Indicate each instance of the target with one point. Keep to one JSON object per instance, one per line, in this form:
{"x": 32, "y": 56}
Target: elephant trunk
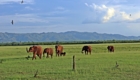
{"x": 44, "y": 52}
{"x": 27, "y": 50}
{"x": 82, "y": 51}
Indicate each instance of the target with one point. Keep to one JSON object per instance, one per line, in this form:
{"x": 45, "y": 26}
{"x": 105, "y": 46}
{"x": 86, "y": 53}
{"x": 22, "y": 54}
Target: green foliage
{"x": 100, "y": 65}
{"x": 67, "y": 42}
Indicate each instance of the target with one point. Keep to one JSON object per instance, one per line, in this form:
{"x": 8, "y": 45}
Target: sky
{"x": 101, "y": 16}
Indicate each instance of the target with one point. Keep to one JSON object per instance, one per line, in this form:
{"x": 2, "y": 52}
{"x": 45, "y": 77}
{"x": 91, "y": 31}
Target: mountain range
{"x": 62, "y": 36}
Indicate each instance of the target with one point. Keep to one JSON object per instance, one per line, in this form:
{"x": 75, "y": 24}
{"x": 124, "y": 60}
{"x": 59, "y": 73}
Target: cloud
{"x": 96, "y": 7}
{"x": 28, "y": 8}
{"x": 106, "y": 14}
{"x": 125, "y": 16}
{"x": 109, "y": 15}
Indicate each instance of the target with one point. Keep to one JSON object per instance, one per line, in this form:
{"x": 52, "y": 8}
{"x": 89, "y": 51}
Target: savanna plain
{"x": 123, "y": 64}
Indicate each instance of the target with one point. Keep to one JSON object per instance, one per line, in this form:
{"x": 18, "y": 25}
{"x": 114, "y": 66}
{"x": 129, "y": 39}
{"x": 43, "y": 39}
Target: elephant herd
{"x": 38, "y": 50}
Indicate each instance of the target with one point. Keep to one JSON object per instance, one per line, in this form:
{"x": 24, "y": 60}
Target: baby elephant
{"x": 63, "y": 54}
{"x": 49, "y": 51}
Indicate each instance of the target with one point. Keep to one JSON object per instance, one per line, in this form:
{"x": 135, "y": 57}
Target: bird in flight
{"x": 22, "y": 1}
{"x": 12, "y": 22}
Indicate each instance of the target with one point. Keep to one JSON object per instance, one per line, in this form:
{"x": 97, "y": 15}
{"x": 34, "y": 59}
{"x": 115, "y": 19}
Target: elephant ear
{"x": 36, "y": 49}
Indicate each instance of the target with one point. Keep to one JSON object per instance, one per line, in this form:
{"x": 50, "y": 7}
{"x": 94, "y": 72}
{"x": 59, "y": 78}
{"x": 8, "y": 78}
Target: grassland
{"x": 100, "y": 65}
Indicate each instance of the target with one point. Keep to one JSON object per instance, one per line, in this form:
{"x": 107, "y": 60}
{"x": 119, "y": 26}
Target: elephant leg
{"x": 56, "y": 54}
{"x": 43, "y": 54}
{"x": 51, "y": 55}
{"x": 47, "y": 55}
{"x": 40, "y": 56}
{"x": 85, "y": 52}
{"x": 34, "y": 56}
{"x": 61, "y": 54}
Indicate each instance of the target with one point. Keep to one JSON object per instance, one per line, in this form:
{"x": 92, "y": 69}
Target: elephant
{"x": 87, "y": 49}
{"x": 63, "y": 54}
{"x": 58, "y": 50}
{"x": 49, "y": 51}
{"x": 37, "y": 50}
{"x": 110, "y": 48}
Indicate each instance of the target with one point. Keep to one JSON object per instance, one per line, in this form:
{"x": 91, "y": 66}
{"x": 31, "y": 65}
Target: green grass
{"x": 100, "y": 65}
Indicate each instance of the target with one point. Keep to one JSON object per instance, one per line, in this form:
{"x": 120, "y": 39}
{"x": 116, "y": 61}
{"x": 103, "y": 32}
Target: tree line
{"x": 68, "y": 42}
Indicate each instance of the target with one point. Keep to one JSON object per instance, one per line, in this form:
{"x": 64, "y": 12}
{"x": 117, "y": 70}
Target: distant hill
{"x": 63, "y": 36}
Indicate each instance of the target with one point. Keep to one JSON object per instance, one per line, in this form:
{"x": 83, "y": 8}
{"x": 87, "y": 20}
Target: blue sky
{"x": 101, "y": 16}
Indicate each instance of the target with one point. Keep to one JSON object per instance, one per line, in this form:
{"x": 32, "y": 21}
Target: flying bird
{"x": 22, "y": 1}
{"x": 12, "y": 22}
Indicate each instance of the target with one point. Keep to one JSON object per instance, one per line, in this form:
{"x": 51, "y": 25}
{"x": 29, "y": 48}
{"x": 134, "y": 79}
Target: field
{"x": 100, "y": 65}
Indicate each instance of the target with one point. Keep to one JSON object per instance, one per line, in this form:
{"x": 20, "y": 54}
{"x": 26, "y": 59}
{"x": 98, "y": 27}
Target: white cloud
{"x": 112, "y": 14}
{"x": 102, "y": 7}
{"x": 109, "y": 15}
{"x": 125, "y": 16}
{"x": 109, "y": 11}
{"x": 135, "y": 16}
{"x": 96, "y": 7}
